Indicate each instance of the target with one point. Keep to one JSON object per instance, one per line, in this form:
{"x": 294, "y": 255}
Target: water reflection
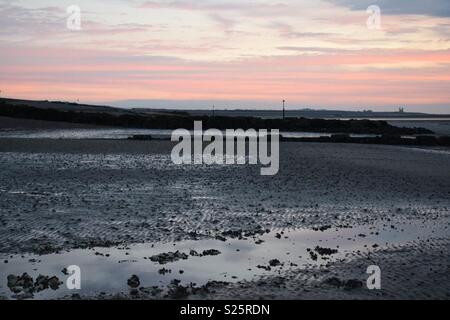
{"x": 107, "y": 269}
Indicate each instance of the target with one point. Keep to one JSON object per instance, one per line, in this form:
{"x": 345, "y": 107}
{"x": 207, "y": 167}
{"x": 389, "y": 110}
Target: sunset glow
{"x": 233, "y": 54}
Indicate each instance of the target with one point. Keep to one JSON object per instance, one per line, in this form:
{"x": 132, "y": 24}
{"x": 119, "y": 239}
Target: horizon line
{"x": 209, "y": 107}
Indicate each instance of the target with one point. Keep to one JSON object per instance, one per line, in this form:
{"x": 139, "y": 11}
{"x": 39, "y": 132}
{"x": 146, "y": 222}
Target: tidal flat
{"x": 115, "y": 207}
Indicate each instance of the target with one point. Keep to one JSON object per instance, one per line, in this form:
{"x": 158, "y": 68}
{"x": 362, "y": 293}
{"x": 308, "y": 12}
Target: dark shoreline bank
{"x": 177, "y": 120}
{"x": 429, "y": 141}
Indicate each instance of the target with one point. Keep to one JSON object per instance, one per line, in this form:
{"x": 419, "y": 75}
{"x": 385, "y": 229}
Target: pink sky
{"x": 314, "y": 54}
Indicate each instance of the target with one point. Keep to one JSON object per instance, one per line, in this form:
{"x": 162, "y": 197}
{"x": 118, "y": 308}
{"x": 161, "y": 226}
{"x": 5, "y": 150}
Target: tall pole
{"x": 284, "y": 110}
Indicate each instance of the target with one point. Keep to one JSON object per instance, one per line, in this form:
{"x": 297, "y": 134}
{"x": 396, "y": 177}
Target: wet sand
{"x": 59, "y": 196}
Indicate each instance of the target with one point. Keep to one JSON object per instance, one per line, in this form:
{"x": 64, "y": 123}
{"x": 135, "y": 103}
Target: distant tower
{"x": 284, "y": 110}
{"x": 214, "y": 111}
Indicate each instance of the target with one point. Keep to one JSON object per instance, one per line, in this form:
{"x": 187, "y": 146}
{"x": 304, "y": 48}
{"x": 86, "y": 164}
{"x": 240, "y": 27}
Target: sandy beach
{"x": 100, "y": 202}
{"x": 225, "y": 159}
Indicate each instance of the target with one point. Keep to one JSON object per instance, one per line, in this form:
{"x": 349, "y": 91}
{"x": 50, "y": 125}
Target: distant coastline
{"x": 164, "y": 119}
{"x": 310, "y": 113}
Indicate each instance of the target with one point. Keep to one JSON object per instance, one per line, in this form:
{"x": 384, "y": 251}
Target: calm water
{"x": 237, "y": 261}
{"x": 123, "y": 134}
{"x": 439, "y": 126}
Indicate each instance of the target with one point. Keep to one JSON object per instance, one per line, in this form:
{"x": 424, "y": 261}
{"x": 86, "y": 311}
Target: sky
{"x": 327, "y": 54}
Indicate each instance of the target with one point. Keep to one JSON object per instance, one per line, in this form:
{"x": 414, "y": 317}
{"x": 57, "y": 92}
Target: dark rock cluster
{"x": 348, "y": 285}
{"x": 24, "y": 286}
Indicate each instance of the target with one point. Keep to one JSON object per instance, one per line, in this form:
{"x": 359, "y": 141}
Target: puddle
{"x": 431, "y": 150}
{"x": 237, "y": 261}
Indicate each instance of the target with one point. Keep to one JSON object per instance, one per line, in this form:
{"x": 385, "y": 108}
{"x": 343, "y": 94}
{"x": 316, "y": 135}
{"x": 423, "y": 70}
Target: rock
{"x": 211, "y": 252}
{"x": 12, "y": 280}
{"x": 220, "y": 238}
{"x": 25, "y": 284}
{"x": 141, "y": 137}
{"x": 54, "y": 283}
{"x": 274, "y": 263}
{"x": 16, "y": 289}
{"x": 44, "y": 248}
{"x": 353, "y": 284}
{"x": 232, "y": 233}
{"x": 134, "y": 292}
{"x": 194, "y": 253}
{"x": 193, "y": 235}
{"x": 267, "y": 268}
{"x": 325, "y": 251}
{"x": 41, "y": 283}
{"x": 164, "y": 258}
{"x": 163, "y": 271}
{"x": 155, "y": 290}
{"x": 334, "y": 282}
{"x": 134, "y": 282}
{"x": 312, "y": 255}
{"x": 178, "y": 292}
{"x": 322, "y": 228}
{"x": 25, "y": 281}
{"x": 76, "y": 296}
